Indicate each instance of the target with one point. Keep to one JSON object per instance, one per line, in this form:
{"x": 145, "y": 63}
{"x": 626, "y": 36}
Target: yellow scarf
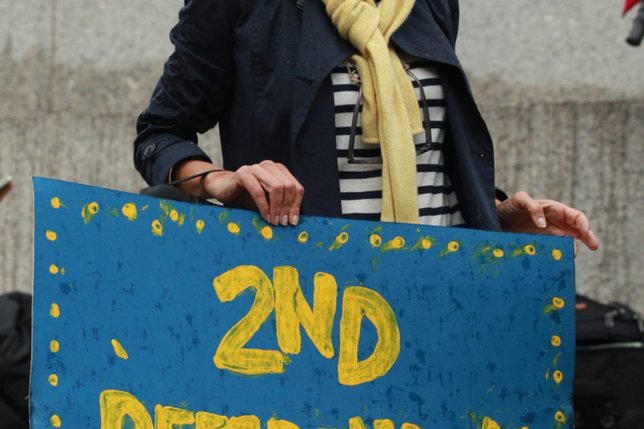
{"x": 390, "y": 114}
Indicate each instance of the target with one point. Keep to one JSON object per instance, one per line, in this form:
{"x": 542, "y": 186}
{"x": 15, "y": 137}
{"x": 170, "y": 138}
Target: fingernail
{"x": 284, "y": 220}
{"x": 295, "y": 220}
{"x": 541, "y": 221}
{"x": 276, "y": 221}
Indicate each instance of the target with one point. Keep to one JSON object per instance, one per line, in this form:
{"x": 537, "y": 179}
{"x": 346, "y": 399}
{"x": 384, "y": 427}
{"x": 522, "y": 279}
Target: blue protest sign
{"x": 158, "y": 314}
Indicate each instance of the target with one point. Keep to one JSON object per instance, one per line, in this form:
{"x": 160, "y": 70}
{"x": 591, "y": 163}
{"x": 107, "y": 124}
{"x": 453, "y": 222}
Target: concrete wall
{"x": 562, "y": 93}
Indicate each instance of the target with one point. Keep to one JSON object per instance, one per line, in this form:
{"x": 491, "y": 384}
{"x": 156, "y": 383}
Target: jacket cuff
{"x": 155, "y": 157}
{"x": 500, "y": 194}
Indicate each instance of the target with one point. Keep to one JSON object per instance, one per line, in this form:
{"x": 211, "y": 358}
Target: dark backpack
{"x": 15, "y": 355}
{"x": 609, "y": 373}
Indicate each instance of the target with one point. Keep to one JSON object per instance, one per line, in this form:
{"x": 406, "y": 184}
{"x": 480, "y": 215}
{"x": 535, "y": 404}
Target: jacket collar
{"x": 425, "y": 33}
{"x": 321, "y": 49}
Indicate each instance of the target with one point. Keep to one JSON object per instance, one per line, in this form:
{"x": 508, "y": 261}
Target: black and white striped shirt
{"x": 361, "y": 184}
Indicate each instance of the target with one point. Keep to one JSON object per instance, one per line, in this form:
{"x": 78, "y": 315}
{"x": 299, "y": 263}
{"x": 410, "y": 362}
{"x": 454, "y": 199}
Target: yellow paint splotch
{"x": 423, "y": 243}
{"x": 233, "y": 228}
{"x": 54, "y": 310}
{"x": 53, "y": 380}
{"x": 54, "y": 346}
{"x": 557, "y": 376}
{"x": 488, "y": 423}
{"x": 555, "y": 304}
{"x": 498, "y": 253}
{"x": 266, "y": 232}
{"x": 174, "y": 215}
{"x": 558, "y": 302}
{"x": 55, "y": 421}
{"x": 262, "y": 229}
{"x": 340, "y": 240}
{"x": 375, "y": 240}
{"x": 529, "y": 249}
{"x": 89, "y": 211}
{"x": 451, "y": 247}
{"x": 555, "y": 340}
{"x": 55, "y": 202}
{"x": 395, "y": 243}
{"x": 560, "y": 417}
{"x": 51, "y": 235}
{"x": 199, "y": 226}
{"x": 130, "y": 211}
{"x": 157, "y": 228}
{"x": 556, "y": 254}
{"x": 53, "y": 269}
{"x": 303, "y": 237}
{"x": 119, "y": 350}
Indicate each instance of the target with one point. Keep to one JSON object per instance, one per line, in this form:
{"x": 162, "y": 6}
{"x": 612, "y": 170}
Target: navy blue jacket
{"x": 260, "y": 68}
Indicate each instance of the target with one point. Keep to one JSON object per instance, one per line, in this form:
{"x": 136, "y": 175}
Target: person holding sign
{"x": 335, "y": 108}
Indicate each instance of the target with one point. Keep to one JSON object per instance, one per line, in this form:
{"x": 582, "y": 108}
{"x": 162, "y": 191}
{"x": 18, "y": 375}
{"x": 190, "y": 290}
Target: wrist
{"x": 190, "y": 176}
{"x": 212, "y": 181}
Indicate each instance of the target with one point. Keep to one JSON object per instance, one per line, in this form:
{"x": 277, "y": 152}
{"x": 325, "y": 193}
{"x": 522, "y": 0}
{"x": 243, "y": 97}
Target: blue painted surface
{"x": 475, "y": 328}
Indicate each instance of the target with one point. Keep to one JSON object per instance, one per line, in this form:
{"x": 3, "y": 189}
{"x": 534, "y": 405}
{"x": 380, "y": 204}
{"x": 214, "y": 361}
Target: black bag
{"x": 609, "y": 360}
{"x": 15, "y": 355}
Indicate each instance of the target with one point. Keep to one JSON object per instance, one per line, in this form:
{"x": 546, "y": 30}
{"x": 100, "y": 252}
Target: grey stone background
{"x": 562, "y": 93}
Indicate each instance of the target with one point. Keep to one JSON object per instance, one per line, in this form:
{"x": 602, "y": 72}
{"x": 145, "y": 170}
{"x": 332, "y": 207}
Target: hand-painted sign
{"x": 152, "y": 314}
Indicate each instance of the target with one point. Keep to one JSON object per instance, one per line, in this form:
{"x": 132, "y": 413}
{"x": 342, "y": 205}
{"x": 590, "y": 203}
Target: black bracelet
{"x": 194, "y": 176}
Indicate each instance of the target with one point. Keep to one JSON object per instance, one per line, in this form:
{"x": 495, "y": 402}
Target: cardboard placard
{"x": 157, "y": 314}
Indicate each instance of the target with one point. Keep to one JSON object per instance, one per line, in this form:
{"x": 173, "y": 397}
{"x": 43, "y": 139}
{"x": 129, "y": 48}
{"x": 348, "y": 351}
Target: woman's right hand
{"x": 267, "y": 187}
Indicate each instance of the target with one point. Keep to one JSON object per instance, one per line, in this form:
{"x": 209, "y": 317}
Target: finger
{"x": 579, "y": 221}
{"x": 576, "y": 219}
{"x": 288, "y": 183}
{"x": 591, "y": 241}
{"x": 532, "y": 206}
{"x": 564, "y": 220}
{"x": 256, "y": 191}
{"x": 573, "y": 220}
{"x": 275, "y": 189}
{"x": 294, "y": 213}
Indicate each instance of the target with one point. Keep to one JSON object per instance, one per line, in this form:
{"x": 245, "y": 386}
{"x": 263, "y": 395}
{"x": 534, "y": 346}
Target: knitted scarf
{"x": 390, "y": 114}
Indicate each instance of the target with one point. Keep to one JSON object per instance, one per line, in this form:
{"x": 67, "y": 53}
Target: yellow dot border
{"x": 375, "y": 238}
{"x": 55, "y": 421}
{"x": 54, "y": 309}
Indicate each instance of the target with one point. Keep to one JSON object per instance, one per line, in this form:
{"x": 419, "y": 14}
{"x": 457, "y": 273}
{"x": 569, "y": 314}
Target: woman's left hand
{"x": 522, "y": 213}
